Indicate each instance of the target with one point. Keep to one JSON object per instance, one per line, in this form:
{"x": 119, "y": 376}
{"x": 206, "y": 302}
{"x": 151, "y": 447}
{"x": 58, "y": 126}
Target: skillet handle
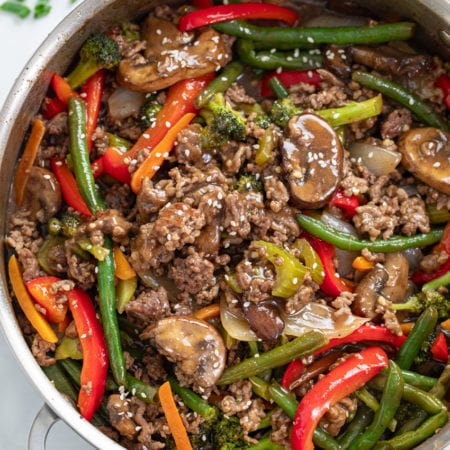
{"x": 40, "y": 428}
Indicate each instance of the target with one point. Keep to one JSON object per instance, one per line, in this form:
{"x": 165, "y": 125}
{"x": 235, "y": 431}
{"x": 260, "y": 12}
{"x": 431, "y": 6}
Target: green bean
{"x": 58, "y": 377}
{"x": 390, "y": 401}
{"x": 221, "y": 83}
{"x": 435, "y": 284}
{"x": 347, "y": 241}
{"x": 359, "y": 423}
{"x": 107, "y": 295}
{"x": 418, "y": 380}
{"x": 193, "y": 401}
{"x": 278, "y": 88}
{"x": 422, "y": 328}
{"x": 412, "y": 438}
{"x": 279, "y": 356}
{"x": 271, "y": 60}
{"x": 139, "y": 388}
{"x": 80, "y": 155}
{"x": 295, "y": 37}
{"x": 289, "y": 404}
{"x": 412, "y": 394}
{"x": 443, "y": 383}
{"x": 419, "y": 107}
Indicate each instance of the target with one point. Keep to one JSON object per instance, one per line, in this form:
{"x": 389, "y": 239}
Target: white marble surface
{"x": 20, "y": 402}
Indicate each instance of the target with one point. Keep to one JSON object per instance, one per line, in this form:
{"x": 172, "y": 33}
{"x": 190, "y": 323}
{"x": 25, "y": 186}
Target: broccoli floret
{"x": 248, "y": 183}
{"x": 262, "y": 121}
{"x": 66, "y": 225}
{"x": 98, "y": 52}
{"x": 149, "y": 111}
{"x": 424, "y": 354}
{"x": 420, "y": 301}
{"x": 223, "y": 123}
{"x": 228, "y": 434}
{"x": 282, "y": 110}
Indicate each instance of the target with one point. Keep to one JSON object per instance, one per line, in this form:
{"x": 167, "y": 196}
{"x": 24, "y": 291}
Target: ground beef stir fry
{"x": 234, "y": 234}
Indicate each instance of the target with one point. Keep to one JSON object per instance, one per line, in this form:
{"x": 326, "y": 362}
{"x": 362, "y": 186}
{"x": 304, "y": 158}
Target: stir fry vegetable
{"x": 230, "y": 231}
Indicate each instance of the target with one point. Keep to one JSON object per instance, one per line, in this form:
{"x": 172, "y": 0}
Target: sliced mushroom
{"x": 172, "y": 56}
{"x": 42, "y": 194}
{"x": 312, "y": 160}
{"x": 396, "y": 285}
{"x": 264, "y": 319}
{"x": 389, "y": 280}
{"x": 426, "y": 154}
{"x": 387, "y": 59}
{"x": 194, "y": 345}
{"x": 368, "y": 291}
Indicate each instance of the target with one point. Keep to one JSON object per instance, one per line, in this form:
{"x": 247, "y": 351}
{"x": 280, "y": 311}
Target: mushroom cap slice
{"x": 426, "y": 154}
{"x": 43, "y": 197}
{"x": 194, "y": 345}
{"x": 171, "y": 56}
{"x": 312, "y": 160}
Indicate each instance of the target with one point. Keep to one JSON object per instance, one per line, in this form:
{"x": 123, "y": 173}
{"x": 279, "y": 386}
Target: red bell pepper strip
{"x": 95, "y": 356}
{"x": 40, "y": 289}
{"x": 98, "y": 167}
{"x": 443, "y": 82}
{"x": 332, "y": 285}
{"x": 369, "y": 333}
{"x": 92, "y": 92}
{"x": 345, "y": 378}
{"x": 180, "y": 101}
{"x": 62, "y": 88}
{"x": 288, "y": 78}
{"x": 443, "y": 246}
{"x": 439, "y": 348}
{"x": 69, "y": 188}
{"x": 223, "y": 13}
{"x": 51, "y": 106}
{"x": 347, "y": 203}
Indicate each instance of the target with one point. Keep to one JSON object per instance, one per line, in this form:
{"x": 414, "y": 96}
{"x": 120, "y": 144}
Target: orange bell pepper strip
{"x": 123, "y": 271}
{"x": 173, "y": 417}
{"x": 362, "y": 264}
{"x": 40, "y": 289}
{"x": 207, "y": 312}
{"x": 180, "y": 101}
{"x": 153, "y": 162}
{"x": 69, "y": 187}
{"x": 37, "y": 320}
{"x": 62, "y": 88}
{"x": 27, "y": 160}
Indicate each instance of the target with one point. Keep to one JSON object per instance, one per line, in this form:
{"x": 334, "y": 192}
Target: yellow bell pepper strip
{"x": 95, "y": 355}
{"x": 345, "y": 378}
{"x": 41, "y": 290}
{"x": 36, "y": 319}
{"x": 27, "y": 160}
{"x": 250, "y": 10}
{"x": 123, "y": 271}
{"x": 125, "y": 290}
{"x": 69, "y": 348}
{"x": 290, "y": 271}
{"x": 173, "y": 417}
{"x": 153, "y": 162}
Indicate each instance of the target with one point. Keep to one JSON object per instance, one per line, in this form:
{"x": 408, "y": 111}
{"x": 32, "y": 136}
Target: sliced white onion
{"x": 235, "y": 325}
{"x": 315, "y": 316}
{"x": 337, "y": 223}
{"x": 124, "y": 103}
{"x": 379, "y": 160}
